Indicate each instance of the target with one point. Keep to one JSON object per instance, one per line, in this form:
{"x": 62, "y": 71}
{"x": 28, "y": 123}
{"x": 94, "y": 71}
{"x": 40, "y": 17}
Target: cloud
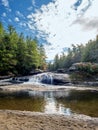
{"x": 33, "y": 5}
{"x": 23, "y": 24}
{"x": 19, "y": 14}
{"x": 30, "y": 8}
{"x": 30, "y": 25}
{"x": 77, "y": 4}
{"x": 53, "y": 21}
{"x": 16, "y": 19}
{"x": 5, "y": 3}
{"x": 4, "y": 14}
{"x": 33, "y": 2}
{"x": 81, "y": 6}
{"x": 87, "y": 23}
{"x": 30, "y": 16}
{"x": 9, "y": 20}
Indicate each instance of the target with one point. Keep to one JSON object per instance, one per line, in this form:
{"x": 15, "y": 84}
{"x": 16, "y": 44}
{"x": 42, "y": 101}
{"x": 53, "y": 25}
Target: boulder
{"x": 61, "y": 79}
{"x": 37, "y": 71}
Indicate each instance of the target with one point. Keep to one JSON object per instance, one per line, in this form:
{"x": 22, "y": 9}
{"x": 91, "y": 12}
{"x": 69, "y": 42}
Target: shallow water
{"x": 61, "y": 102}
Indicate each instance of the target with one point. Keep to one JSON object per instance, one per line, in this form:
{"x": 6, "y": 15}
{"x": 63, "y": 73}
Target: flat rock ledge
{"x": 25, "y": 120}
{"x": 30, "y": 87}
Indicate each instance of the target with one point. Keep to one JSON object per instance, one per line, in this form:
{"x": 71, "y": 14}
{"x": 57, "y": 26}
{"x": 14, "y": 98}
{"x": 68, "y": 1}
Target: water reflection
{"x": 52, "y": 106}
{"x": 60, "y": 102}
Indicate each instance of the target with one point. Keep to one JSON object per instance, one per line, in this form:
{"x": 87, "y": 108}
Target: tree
{"x": 56, "y": 62}
{"x": 78, "y": 53}
{"x": 90, "y": 53}
{"x": 1, "y": 30}
{"x": 19, "y": 55}
{"x": 42, "y": 57}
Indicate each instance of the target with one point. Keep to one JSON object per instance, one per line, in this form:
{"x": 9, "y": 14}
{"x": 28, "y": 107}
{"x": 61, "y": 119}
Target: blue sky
{"x": 57, "y": 24}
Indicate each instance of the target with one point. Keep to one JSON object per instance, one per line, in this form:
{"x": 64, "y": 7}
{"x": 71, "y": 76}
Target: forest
{"x": 18, "y": 54}
{"x": 85, "y": 54}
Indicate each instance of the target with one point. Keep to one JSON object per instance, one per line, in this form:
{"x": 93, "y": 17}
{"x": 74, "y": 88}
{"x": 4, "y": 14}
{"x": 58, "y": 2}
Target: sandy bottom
{"x": 17, "y": 120}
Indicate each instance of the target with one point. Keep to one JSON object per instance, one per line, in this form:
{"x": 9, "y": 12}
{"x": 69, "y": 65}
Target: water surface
{"x": 61, "y": 102}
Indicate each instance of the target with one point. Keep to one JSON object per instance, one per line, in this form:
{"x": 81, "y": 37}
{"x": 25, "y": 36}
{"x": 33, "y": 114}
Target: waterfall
{"x": 35, "y": 79}
{"x": 46, "y": 78}
{"x": 50, "y": 78}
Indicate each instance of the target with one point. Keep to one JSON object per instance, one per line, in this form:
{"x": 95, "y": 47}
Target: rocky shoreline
{"x": 54, "y": 78}
{"x": 24, "y": 89}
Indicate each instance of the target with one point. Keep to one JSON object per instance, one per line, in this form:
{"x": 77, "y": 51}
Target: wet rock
{"x": 59, "y": 82}
{"x": 55, "y": 78}
{"x": 37, "y": 71}
{"x": 61, "y": 79}
{"x": 19, "y": 79}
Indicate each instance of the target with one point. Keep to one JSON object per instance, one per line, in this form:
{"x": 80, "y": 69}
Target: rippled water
{"x": 61, "y": 102}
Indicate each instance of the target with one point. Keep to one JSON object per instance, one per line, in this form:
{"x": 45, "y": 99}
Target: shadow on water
{"x": 61, "y": 102}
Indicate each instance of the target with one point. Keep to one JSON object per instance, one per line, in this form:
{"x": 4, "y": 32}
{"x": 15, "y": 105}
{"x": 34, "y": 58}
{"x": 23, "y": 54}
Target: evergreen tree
{"x": 76, "y": 54}
{"x": 19, "y": 55}
{"x": 42, "y": 57}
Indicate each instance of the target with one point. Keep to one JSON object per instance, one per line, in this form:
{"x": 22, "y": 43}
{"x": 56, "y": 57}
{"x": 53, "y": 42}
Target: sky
{"x": 57, "y": 24}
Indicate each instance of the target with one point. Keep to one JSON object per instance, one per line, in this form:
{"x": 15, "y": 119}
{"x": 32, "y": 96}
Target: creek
{"x": 61, "y": 101}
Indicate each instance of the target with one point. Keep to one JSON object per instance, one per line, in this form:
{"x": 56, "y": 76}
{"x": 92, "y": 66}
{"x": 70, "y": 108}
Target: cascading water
{"x": 46, "y": 78}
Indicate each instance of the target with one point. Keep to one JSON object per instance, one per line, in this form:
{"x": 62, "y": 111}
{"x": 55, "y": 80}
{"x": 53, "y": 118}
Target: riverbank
{"x": 22, "y": 120}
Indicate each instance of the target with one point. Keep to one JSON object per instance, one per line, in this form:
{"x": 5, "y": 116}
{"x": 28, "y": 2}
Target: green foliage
{"x": 18, "y": 55}
{"x": 56, "y": 62}
{"x": 77, "y": 54}
{"x": 90, "y": 53}
{"x": 90, "y": 68}
{"x": 42, "y": 57}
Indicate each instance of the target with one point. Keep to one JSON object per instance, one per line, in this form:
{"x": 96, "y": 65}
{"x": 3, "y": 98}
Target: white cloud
{"x": 16, "y": 19}
{"x": 5, "y": 3}
{"x": 9, "y": 9}
{"x": 23, "y": 24}
{"x": 30, "y": 8}
{"x": 30, "y": 16}
{"x": 56, "y": 21}
{"x": 19, "y": 14}
{"x": 31, "y": 26}
{"x": 33, "y": 2}
{"x": 4, "y": 14}
{"x": 9, "y": 20}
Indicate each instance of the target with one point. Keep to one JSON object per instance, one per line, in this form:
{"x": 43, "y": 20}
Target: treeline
{"x": 77, "y": 53}
{"x": 19, "y": 55}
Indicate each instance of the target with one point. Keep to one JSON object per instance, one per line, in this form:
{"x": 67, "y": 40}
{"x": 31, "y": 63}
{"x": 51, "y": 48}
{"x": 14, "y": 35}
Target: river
{"x": 61, "y": 101}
